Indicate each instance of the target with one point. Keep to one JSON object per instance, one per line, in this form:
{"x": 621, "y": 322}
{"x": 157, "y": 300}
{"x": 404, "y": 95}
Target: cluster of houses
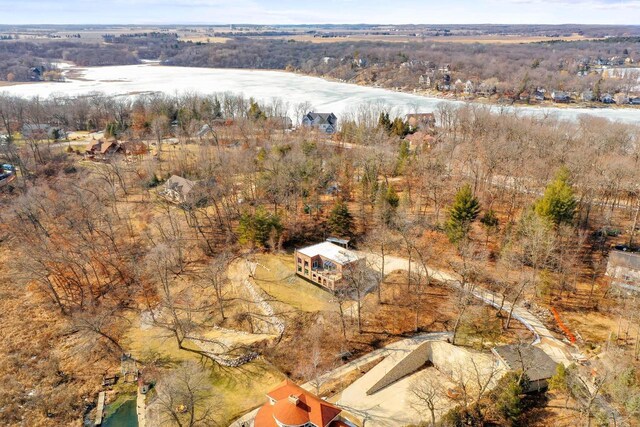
{"x": 589, "y": 96}
{"x": 444, "y": 84}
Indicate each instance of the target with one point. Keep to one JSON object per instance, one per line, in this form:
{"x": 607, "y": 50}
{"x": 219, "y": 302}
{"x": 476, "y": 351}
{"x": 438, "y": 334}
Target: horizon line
{"x": 186, "y": 24}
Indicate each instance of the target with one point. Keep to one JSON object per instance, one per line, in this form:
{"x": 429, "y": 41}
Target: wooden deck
{"x": 100, "y": 409}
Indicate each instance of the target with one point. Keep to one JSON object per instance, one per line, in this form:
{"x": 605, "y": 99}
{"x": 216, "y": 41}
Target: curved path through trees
{"x": 558, "y": 350}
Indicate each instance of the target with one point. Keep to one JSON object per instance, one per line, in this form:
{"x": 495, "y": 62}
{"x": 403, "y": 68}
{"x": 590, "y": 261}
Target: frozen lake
{"x": 266, "y": 85}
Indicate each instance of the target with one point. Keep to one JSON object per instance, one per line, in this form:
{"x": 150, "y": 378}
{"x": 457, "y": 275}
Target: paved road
{"x": 558, "y": 350}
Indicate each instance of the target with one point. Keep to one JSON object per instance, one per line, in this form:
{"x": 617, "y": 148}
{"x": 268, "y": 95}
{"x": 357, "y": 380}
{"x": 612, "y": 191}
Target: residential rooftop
{"x": 291, "y": 405}
{"x": 535, "y": 363}
{"x": 330, "y": 251}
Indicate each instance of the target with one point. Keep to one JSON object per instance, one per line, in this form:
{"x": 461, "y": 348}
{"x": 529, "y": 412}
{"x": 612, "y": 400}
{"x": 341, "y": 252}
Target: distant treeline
{"x": 505, "y": 68}
{"x": 499, "y": 68}
{"x": 18, "y": 58}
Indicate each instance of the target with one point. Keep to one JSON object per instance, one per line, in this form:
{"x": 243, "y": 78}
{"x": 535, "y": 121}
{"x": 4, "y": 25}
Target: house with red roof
{"x": 290, "y": 405}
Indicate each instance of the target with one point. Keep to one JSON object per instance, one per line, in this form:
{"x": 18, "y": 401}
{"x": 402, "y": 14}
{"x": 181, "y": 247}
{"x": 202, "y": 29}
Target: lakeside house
{"x": 532, "y": 361}
{"x": 607, "y": 98}
{"x": 324, "y": 122}
{"x": 426, "y": 79}
{"x": 560, "y": 96}
{"x": 587, "y": 95}
{"x": 325, "y": 264}
{"x": 289, "y": 405}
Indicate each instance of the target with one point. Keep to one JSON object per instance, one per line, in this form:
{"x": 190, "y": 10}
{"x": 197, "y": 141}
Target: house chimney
{"x": 294, "y": 399}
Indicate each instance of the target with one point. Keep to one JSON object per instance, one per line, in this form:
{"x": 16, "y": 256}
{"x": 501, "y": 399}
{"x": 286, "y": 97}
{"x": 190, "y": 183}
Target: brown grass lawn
{"x": 235, "y": 390}
{"x": 276, "y": 276}
{"x": 238, "y": 390}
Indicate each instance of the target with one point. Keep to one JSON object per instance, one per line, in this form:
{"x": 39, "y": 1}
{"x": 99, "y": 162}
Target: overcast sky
{"x": 319, "y": 11}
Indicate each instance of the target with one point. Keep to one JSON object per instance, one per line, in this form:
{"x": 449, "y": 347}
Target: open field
{"x": 485, "y": 39}
{"x": 202, "y": 39}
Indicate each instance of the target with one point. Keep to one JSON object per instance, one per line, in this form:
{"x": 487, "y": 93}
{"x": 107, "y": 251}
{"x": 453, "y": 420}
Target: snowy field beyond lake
{"x": 323, "y": 95}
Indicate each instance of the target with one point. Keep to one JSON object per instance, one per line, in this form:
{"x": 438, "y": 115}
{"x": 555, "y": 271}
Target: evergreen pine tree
{"x": 508, "y": 401}
{"x": 558, "y": 204}
{"x": 255, "y": 113}
{"x": 384, "y": 122}
{"x": 259, "y": 227}
{"x": 399, "y": 127}
{"x": 340, "y": 220}
{"x": 463, "y": 212}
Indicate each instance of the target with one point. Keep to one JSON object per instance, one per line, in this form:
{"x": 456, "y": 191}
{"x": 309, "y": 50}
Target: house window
{"x": 315, "y": 263}
{"x": 306, "y": 272}
{"x": 299, "y": 260}
{"x": 299, "y": 269}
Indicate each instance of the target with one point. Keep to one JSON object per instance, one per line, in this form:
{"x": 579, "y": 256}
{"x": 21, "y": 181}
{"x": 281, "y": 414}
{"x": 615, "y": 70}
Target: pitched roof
{"x": 322, "y": 118}
{"x": 180, "y": 184}
{"x": 330, "y": 251}
{"x": 535, "y": 363}
{"x": 106, "y": 145}
{"x": 623, "y": 258}
{"x": 295, "y": 406}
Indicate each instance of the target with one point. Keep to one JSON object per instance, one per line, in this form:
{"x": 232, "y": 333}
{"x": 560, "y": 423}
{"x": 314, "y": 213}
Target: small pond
{"x": 124, "y": 416}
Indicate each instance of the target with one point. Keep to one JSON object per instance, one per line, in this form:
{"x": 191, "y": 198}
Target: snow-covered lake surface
{"x": 291, "y": 88}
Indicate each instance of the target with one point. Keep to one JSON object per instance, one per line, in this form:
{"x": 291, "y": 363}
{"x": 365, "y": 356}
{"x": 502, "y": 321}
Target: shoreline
{"x": 76, "y": 73}
{"x": 483, "y": 100}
